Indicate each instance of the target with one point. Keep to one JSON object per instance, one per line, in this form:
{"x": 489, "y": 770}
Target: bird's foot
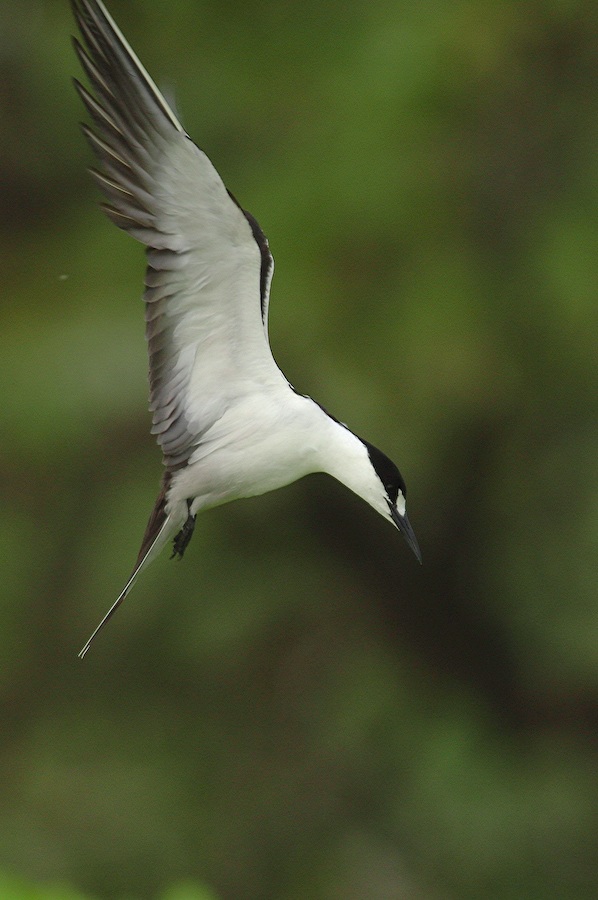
{"x": 179, "y": 545}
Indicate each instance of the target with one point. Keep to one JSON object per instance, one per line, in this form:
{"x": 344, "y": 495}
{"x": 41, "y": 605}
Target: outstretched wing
{"x": 209, "y": 266}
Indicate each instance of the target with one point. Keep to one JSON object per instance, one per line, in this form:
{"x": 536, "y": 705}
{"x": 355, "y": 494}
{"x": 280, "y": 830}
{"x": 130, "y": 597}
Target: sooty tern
{"x": 229, "y": 423}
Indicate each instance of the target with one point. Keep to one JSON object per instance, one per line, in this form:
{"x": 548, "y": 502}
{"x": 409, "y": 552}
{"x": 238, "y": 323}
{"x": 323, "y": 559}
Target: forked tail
{"x": 158, "y": 531}
{"x": 157, "y": 544}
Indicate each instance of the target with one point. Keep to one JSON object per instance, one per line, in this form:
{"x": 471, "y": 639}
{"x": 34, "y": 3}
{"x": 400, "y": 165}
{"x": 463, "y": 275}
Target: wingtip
{"x": 79, "y": 49}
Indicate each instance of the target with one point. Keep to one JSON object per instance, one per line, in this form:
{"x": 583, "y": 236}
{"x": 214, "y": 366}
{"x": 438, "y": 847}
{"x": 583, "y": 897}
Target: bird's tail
{"x": 159, "y": 530}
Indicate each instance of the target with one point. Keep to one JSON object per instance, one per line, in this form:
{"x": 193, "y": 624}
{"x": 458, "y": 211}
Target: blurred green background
{"x": 298, "y": 710}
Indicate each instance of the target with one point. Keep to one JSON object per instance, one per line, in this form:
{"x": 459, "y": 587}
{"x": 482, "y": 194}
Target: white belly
{"x": 257, "y": 446}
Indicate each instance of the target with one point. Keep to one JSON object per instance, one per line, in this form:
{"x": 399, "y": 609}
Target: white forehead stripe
{"x": 400, "y": 503}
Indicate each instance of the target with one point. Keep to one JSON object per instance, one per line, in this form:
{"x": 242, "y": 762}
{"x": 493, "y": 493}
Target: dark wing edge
{"x": 267, "y": 264}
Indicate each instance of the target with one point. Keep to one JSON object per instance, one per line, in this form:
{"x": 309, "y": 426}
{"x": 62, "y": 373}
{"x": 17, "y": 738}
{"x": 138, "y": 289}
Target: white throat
{"x": 346, "y": 458}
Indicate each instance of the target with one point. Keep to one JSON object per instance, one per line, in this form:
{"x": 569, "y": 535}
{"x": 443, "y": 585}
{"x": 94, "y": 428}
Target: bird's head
{"x": 387, "y": 493}
{"x": 371, "y": 475}
{"x": 366, "y": 471}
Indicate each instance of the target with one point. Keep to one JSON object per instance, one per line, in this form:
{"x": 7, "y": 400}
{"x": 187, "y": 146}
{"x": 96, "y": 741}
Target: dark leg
{"x": 184, "y": 536}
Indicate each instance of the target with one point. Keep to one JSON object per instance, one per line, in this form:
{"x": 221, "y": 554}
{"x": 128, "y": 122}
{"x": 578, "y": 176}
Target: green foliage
{"x": 16, "y": 889}
{"x": 298, "y": 710}
{"x": 188, "y": 891}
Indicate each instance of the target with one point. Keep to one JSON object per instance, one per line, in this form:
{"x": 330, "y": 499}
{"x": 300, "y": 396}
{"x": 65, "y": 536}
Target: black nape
{"x": 386, "y": 471}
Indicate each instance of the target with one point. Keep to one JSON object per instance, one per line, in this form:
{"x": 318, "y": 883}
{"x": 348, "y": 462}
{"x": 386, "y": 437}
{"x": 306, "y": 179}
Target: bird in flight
{"x": 229, "y": 423}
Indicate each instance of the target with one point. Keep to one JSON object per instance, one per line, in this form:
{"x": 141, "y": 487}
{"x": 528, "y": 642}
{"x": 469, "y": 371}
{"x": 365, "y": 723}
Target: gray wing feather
{"x": 206, "y": 257}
